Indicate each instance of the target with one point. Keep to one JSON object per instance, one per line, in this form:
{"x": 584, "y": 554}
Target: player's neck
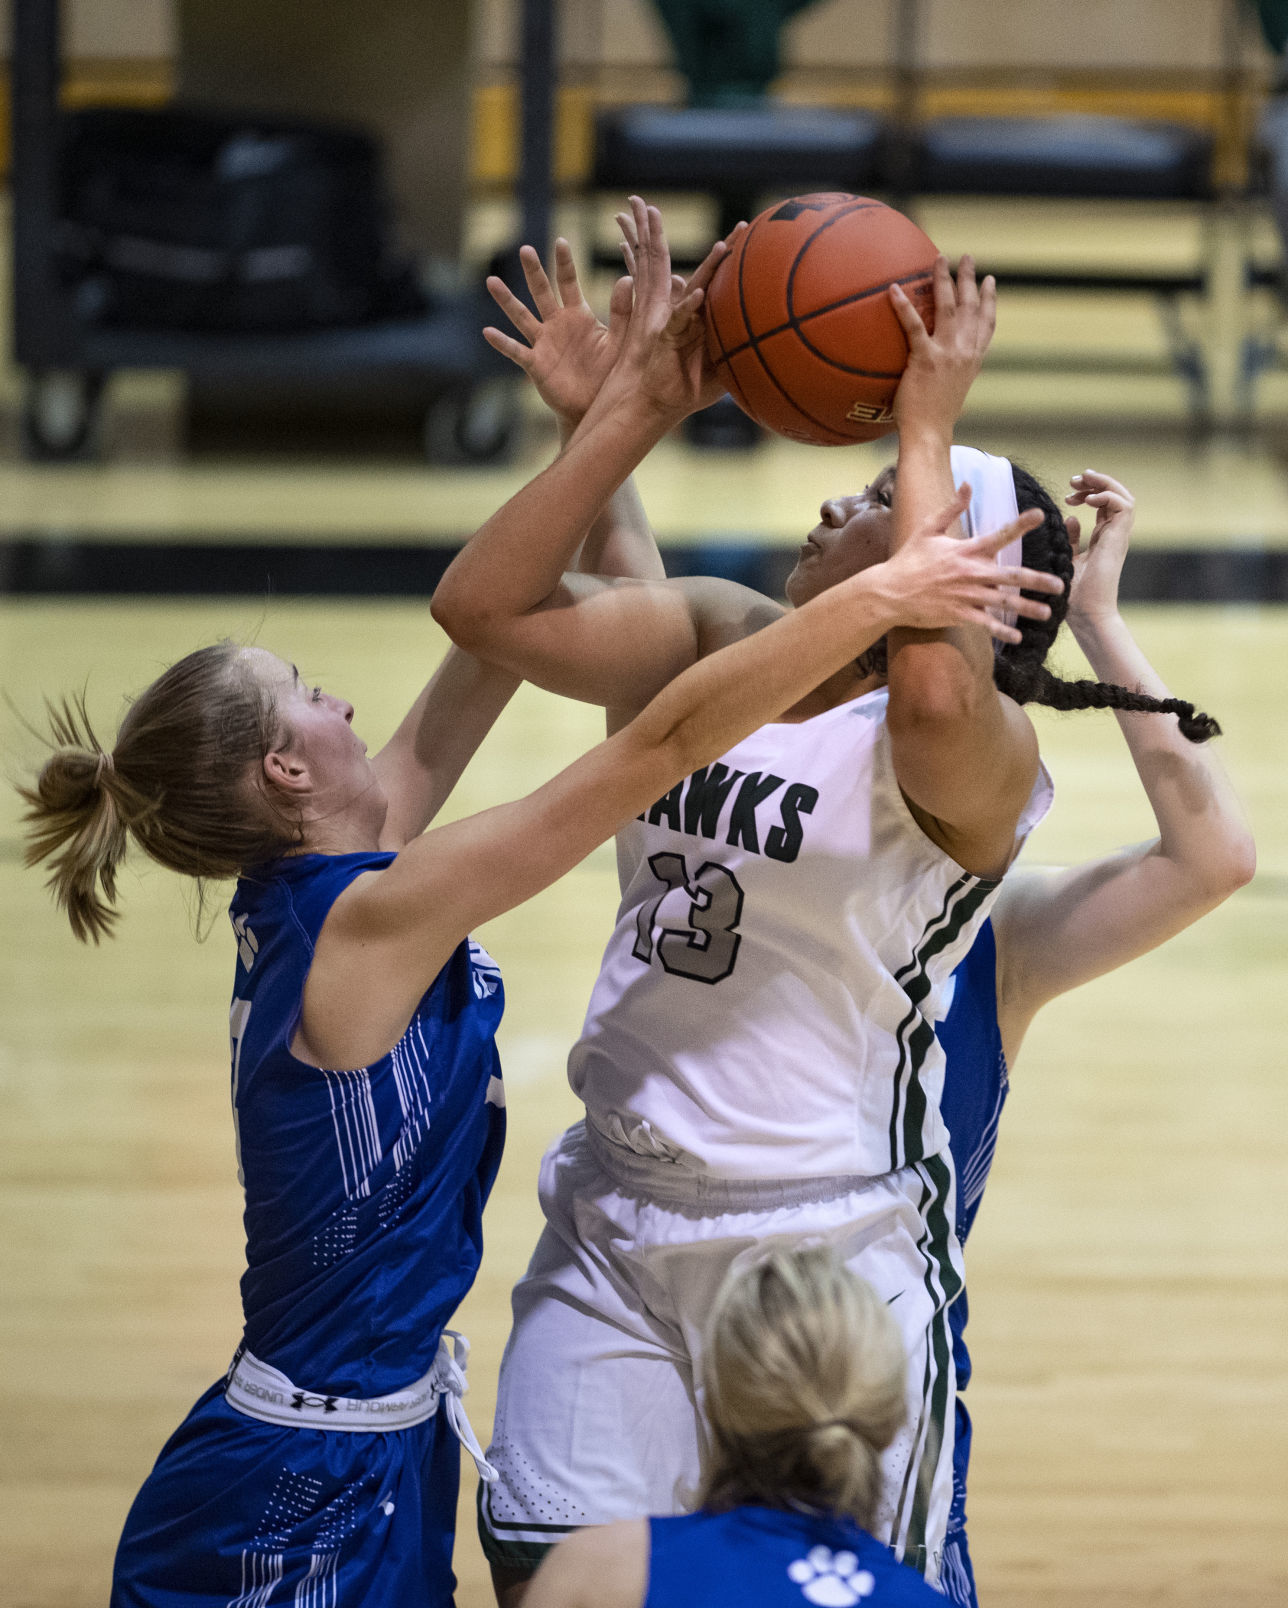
{"x": 842, "y": 688}
{"x": 348, "y": 831}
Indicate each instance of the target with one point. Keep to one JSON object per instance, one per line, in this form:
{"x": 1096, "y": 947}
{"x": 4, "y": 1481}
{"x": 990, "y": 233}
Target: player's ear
{"x": 286, "y": 770}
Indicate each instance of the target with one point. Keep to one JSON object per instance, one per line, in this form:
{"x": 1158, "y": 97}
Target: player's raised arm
{"x": 567, "y": 353}
{"x": 621, "y": 542}
{"x": 507, "y": 596}
{"x": 422, "y": 762}
{"x": 1059, "y": 928}
{"x": 966, "y": 757}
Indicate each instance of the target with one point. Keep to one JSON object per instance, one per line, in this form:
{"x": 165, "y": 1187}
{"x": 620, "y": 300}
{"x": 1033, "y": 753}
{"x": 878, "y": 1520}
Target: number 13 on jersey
{"x": 704, "y": 943}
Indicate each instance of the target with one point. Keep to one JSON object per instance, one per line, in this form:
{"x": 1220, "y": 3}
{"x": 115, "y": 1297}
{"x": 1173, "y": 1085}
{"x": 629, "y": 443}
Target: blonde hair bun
{"x": 804, "y": 1376}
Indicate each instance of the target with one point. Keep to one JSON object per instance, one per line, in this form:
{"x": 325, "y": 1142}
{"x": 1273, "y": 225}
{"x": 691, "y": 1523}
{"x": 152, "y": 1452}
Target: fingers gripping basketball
{"x": 799, "y": 321}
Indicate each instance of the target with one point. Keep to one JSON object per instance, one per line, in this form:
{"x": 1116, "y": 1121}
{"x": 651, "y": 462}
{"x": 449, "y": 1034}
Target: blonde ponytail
{"x": 77, "y": 815}
{"x": 184, "y": 779}
{"x": 804, "y": 1376}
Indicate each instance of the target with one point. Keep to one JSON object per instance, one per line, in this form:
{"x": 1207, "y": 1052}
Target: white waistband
{"x": 262, "y": 1392}
{"x": 670, "y": 1183}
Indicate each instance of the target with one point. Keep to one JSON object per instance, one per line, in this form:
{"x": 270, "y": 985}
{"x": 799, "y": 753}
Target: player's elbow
{"x": 1226, "y": 862}
{"x": 1233, "y": 864}
{"x": 466, "y": 619}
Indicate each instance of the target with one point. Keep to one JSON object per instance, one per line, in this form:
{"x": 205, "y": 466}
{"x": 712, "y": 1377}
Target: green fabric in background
{"x": 728, "y": 50}
{"x": 1273, "y": 17}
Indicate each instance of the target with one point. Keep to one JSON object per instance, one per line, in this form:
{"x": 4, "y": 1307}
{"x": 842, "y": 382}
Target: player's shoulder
{"x": 360, "y": 907}
{"x": 604, "y": 1566}
{"x": 725, "y": 611}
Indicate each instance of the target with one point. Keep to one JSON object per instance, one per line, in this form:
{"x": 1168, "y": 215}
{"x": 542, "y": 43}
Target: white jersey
{"x": 766, "y": 1004}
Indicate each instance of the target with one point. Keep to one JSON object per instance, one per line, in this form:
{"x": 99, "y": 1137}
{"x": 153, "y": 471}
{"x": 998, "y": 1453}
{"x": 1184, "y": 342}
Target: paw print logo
{"x": 831, "y": 1579}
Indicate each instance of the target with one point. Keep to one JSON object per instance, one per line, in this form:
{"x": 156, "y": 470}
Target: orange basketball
{"x": 799, "y": 323}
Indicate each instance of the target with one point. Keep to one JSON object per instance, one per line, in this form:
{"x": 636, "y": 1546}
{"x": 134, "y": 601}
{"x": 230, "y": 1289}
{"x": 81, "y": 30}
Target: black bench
{"x": 736, "y": 154}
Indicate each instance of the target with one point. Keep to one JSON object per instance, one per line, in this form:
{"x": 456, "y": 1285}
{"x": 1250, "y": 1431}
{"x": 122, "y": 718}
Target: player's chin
{"x": 798, "y": 588}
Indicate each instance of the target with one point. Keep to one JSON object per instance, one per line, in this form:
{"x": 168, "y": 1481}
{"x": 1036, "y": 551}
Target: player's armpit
{"x": 364, "y": 982}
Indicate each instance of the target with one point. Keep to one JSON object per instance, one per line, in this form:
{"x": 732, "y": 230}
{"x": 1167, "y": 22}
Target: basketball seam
{"x": 731, "y": 379}
{"x": 844, "y": 368}
{"x": 769, "y": 373}
{"x": 795, "y": 324}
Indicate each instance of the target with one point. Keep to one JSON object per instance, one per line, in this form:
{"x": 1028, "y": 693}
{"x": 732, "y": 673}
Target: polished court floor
{"x": 1129, "y": 1274}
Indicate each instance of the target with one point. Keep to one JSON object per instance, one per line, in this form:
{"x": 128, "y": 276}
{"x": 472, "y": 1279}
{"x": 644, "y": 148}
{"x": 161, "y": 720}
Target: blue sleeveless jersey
{"x": 364, "y": 1194}
{"x": 975, "y": 1083}
{"x": 756, "y": 1557}
{"x": 975, "y": 1087}
{"x": 364, "y": 1188}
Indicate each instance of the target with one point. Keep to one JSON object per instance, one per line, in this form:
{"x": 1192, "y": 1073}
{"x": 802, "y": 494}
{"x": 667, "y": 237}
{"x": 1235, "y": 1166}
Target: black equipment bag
{"x": 195, "y": 220}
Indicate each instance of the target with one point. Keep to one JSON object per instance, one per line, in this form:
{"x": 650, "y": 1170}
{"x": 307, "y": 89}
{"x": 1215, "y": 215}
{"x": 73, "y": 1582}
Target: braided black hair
{"x": 1019, "y": 668}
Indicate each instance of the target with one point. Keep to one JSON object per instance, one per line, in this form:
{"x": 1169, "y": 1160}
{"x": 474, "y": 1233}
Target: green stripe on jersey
{"x": 943, "y": 1284}
{"x": 915, "y": 1035}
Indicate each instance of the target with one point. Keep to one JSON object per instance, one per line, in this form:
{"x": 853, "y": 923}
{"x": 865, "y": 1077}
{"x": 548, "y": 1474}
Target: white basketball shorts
{"x": 599, "y": 1412}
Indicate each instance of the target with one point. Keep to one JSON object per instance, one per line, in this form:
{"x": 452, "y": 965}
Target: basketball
{"x": 799, "y": 322}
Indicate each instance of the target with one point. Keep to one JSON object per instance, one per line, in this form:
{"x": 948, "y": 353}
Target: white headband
{"x": 992, "y": 503}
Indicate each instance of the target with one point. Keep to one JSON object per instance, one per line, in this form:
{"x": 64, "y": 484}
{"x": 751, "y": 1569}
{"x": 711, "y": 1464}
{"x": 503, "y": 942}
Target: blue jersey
{"x": 753, "y": 1557}
{"x": 975, "y": 1083}
{"x": 364, "y": 1193}
{"x": 364, "y": 1188}
{"x": 975, "y": 1087}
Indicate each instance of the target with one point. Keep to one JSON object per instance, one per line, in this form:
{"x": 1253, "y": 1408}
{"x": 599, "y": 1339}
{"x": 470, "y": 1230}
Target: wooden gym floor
{"x": 1129, "y": 1275}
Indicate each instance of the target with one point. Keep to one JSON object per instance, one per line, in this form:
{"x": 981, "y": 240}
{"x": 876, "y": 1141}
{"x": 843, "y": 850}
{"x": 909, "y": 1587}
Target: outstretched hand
{"x": 569, "y": 351}
{"x": 566, "y": 350}
{"x": 681, "y": 288}
{"x": 942, "y": 365}
{"x": 1098, "y": 564}
{"x": 666, "y": 339}
{"x": 935, "y": 580}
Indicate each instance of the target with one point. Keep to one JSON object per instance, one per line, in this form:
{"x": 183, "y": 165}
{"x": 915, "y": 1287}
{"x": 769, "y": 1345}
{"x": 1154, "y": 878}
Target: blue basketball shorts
{"x": 238, "y": 1513}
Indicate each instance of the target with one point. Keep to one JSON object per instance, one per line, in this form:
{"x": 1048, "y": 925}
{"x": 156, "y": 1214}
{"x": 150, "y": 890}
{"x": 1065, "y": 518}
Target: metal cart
{"x": 472, "y": 413}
